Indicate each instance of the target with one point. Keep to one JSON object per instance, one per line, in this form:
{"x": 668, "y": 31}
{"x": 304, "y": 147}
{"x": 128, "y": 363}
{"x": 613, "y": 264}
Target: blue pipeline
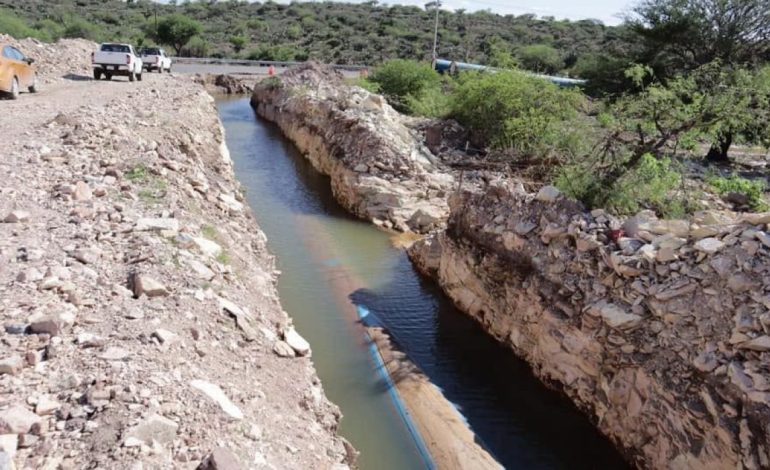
{"x": 443, "y": 65}
{"x": 366, "y": 318}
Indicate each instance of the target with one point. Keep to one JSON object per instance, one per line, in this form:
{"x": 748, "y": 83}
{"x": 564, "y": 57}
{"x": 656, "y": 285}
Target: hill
{"x": 326, "y": 31}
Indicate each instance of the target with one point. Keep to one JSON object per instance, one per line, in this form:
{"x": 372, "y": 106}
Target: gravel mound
{"x": 67, "y": 58}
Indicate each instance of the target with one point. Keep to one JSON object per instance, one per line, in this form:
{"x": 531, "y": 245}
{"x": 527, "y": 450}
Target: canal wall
{"x": 658, "y": 330}
{"x": 379, "y": 169}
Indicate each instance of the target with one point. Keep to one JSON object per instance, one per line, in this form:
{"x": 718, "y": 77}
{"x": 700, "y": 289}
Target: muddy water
{"x": 332, "y": 263}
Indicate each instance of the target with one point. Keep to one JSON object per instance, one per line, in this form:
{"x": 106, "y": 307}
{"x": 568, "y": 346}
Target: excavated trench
{"x": 333, "y": 265}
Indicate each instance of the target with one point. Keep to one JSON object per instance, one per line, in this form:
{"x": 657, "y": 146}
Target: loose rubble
{"x": 129, "y": 339}
{"x": 67, "y": 58}
{"x": 658, "y": 329}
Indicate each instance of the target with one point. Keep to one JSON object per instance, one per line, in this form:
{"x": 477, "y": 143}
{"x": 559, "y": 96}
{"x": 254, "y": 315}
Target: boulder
{"x": 155, "y": 428}
{"x": 17, "y": 420}
{"x": 221, "y": 459}
{"x": 215, "y": 394}
{"x": 297, "y": 342}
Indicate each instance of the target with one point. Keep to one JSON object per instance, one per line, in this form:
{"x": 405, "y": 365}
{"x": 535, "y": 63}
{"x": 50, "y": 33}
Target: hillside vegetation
{"x": 344, "y": 33}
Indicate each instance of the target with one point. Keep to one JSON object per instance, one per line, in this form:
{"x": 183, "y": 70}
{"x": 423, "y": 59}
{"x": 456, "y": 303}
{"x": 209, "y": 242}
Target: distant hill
{"x": 330, "y": 32}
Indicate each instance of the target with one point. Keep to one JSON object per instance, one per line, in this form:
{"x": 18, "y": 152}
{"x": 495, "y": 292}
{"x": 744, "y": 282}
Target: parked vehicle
{"x": 116, "y": 60}
{"x": 16, "y": 72}
{"x": 155, "y": 58}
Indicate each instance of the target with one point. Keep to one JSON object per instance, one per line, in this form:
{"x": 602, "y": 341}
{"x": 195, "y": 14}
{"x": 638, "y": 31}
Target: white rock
{"x": 155, "y": 428}
{"x": 230, "y": 202}
{"x": 17, "y": 420}
{"x": 548, "y": 194}
{"x": 114, "y": 354}
{"x": 165, "y": 337}
{"x": 216, "y": 394}
{"x": 156, "y": 224}
{"x": 145, "y": 285}
{"x": 297, "y": 342}
{"x": 11, "y": 365}
{"x": 207, "y": 247}
{"x": 709, "y": 245}
{"x": 201, "y": 270}
{"x": 617, "y": 317}
{"x": 46, "y": 406}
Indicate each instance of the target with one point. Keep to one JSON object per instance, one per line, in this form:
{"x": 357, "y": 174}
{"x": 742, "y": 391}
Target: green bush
{"x": 79, "y": 28}
{"x": 513, "y": 111}
{"x": 653, "y": 184}
{"x": 540, "y": 58}
{"x": 366, "y": 84}
{"x": 399, "y": 79}
{"x": 753, "y": 190}
{"x": 431, "y": 102}
{"x": 14, "y": 26}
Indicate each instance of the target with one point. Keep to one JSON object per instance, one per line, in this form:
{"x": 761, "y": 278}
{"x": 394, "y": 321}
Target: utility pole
{"x": 437, "y": 5}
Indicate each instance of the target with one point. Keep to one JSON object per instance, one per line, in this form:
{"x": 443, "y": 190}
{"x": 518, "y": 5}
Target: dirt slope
{"x": 137, "y": 296}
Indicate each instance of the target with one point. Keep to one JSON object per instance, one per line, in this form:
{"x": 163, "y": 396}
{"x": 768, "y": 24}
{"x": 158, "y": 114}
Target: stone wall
{"x": 658, "y": 330}
{"x": 379, "y": 169}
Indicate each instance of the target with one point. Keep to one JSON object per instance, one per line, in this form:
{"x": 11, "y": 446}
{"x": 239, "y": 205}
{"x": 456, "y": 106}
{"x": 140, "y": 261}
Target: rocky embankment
{"x": 70, "y": 58}
{"x": 379, "y": 169}
{"x": 141, "y": 324}
{"x": 658, "y": 330}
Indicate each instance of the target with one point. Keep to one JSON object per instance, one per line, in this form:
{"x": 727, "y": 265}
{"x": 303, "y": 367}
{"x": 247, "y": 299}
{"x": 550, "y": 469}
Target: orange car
{"x": 16, "y": 72}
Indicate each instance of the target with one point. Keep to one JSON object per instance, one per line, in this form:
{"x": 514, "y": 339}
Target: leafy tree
{"x": 681, "y": 35}
{"x": 177, "y": 30}
{"x": 238, "y": 43}
{"x": 541, "y": 58}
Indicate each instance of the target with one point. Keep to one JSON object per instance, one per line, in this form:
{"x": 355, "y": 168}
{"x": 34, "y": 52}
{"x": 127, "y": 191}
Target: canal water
{"x": 332, "y": 263}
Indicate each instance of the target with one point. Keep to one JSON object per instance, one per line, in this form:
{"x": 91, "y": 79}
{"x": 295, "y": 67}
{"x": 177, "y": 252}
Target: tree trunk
{"x": 718, "y": 151}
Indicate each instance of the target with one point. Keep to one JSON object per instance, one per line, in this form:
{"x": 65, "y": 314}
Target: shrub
{"x": 431, "y": 102}
{"x": 399, "y": 78}
{"x": 79, "y": 28}
{"x": 541, "y": 58}
{"x": 14, "y": 26}
{"x": 653, "y": 184}
{"x": 752, "y": 190}
{"x": 512, "y": 111}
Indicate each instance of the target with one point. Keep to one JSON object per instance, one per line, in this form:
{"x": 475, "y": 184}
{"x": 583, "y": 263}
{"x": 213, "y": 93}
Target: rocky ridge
{"x": 658, "y": 329}
{"x": 141, "y": 325}
{"x": 379, "y": 169}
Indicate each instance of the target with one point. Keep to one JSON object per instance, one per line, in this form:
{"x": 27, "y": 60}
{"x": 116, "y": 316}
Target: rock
{"x": 282, "y": 349}
{"x": 9, "y": 443}
{"x": 145, "y": 285}
{"x": 155, "y": 428}
{"x": 11, "y": 365}
{"x": 114, "y": 353}
{"x": 17, "y": 420}
{"x": 165, "y": 337}
{"x": 242, "y": 319}
{"x": 157, "y": 225}
{"x": 230, "y": 202}
{"x": 89, "y": 340}
{"x": 616, "y": 317}
{"x": 216, "y": 395}
{"x": 30, "y": 275}
{"x": 763, "y": 238}
{"x": 423, "y": 220}
{"x": 221, "y": 459}
{"x": 49, "y": 283}
{"x": 46, "y": 406}
{"x": 86, "y": 255}
{"x": 761, "y": 343}
{"x": 548, "y": 194}
{"x": 201, "y": 270}
{"x": 207, "y": 247}
{"x": 706, "y": 362}
{"x": 47, "y": 325}
{"x": 82, "y": 192}
{"x": 739, "y": 377}
{"x": 760, "y": 218}
{"x": 297, "y": 342}
{"x": 6, "y": 461}
{"x": 709, "y": 245}
{"x": 17, "y": 216}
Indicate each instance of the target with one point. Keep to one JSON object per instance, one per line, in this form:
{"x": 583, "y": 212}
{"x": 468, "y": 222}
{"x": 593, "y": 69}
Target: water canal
{"x": 332, "y": 263}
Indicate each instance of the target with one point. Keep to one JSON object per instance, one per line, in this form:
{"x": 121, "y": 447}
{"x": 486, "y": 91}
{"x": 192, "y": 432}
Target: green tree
{"x": 541, "y": 58}
{"x": 681, "y": 35}
{"x": 177, "y": 30}
{"x": 238, "y": 43}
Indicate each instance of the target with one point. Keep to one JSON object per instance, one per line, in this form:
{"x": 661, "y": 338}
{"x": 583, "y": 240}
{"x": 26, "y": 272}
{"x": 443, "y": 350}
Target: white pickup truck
{"x": 116, "y": 59}
{"x": 155, "y": 58}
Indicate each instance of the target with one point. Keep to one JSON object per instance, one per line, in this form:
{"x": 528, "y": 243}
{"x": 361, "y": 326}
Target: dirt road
{"x": 137, "y": 294}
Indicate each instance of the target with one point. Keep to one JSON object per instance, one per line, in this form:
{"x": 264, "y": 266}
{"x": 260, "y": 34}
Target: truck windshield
{"x": 150, "y": 51}
{"x": 115, "y": 48}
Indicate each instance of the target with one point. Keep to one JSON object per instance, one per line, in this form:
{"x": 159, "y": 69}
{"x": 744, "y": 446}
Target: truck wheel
{"x": 131, "y": 76}
{"x": 108, "y": 76}
{"x": 14, "y": 89}
{"x": 139, "y": 77}
{"x": 97, "y": 74}
{"x": 34, "y": 88}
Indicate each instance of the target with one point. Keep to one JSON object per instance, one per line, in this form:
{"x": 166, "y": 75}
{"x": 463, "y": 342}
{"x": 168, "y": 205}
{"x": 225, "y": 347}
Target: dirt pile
{"x": 66, "y": 57}
{"x": 141, "y": 324}
{"x": 379, "y": 168}
{"x": 658, "y": 329}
